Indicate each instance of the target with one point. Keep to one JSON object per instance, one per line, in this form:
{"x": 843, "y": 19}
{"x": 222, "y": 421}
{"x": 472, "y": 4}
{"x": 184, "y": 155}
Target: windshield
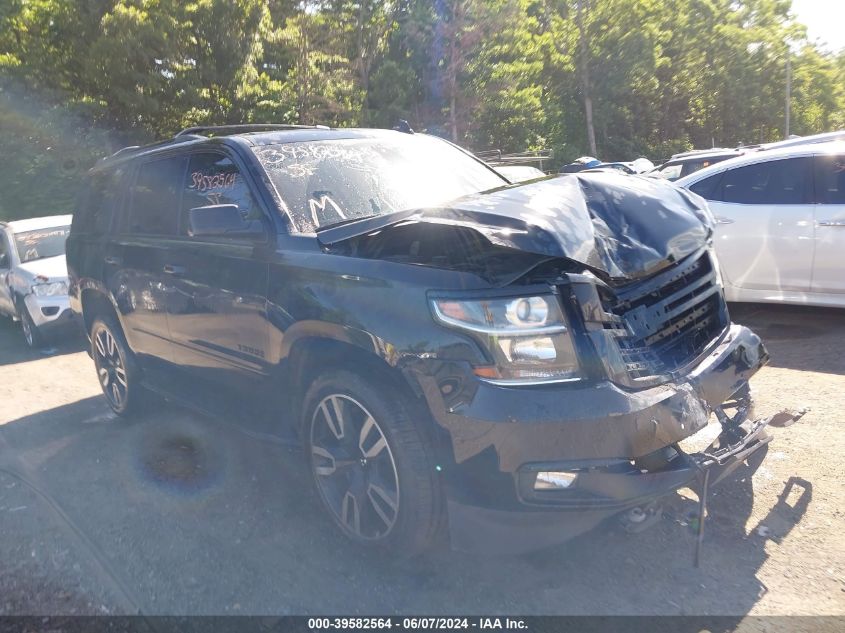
{"x": 42, "y": 243}
{"x": 327, "y": 182}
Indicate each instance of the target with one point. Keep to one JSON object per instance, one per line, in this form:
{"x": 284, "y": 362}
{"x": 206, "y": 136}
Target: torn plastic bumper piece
{"x": 601, "y": 492}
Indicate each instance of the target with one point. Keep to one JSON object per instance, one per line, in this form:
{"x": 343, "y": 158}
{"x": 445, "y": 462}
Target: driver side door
{"x": 219, "y": 324}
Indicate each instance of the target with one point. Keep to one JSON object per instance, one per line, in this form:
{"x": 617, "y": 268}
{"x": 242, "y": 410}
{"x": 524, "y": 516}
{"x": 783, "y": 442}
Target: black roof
{"x": 253, "y": 134}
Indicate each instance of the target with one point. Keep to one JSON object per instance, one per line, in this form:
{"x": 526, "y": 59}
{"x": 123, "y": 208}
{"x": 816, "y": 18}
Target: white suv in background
{"x": 33, "y": 275}
{"x": 780, "y": 223}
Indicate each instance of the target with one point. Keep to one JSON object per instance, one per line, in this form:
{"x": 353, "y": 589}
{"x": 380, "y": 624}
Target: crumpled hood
{"x": 54, "y": 268}
{"x": 624, "y": 227}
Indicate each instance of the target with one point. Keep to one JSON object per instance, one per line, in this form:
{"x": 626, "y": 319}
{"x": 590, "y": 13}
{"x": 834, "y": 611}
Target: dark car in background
{"x": 511, "y": 363}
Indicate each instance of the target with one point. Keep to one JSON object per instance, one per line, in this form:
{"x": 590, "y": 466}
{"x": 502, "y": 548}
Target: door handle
{"x": 840, "y": 223}
{"x": 171, "y": 269}
{"x": 720, "y": 219}
{"x": 112, "y": 261}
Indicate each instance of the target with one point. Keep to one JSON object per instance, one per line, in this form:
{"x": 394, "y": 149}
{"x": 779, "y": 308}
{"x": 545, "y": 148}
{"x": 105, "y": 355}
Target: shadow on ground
{"x": 817, "y": 331}
{"x": 179, "y": 513}
{"x": 15, "y": 349}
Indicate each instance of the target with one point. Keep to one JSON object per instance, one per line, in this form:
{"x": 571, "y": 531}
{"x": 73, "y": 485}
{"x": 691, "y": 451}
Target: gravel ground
{"x": 183, "y": 514}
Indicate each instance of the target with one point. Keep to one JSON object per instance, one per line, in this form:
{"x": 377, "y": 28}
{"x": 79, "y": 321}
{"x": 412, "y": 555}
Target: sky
{"x": 824, "y": 19}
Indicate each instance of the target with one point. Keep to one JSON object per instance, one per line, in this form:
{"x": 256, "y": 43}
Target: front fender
{"x": 312, "y": 329}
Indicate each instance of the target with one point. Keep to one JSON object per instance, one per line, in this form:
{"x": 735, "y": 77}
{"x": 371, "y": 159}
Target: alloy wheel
{"x": 354, "y": 467}
{"x": 111, "y": 369}
{"x": 27, "y": 332}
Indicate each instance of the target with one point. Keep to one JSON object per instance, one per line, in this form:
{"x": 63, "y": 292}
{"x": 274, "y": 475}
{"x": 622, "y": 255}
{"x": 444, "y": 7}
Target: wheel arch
{"x": 18, "y": 302}
{"x": 310, "y": 355}
{"x": 94, "y": 303}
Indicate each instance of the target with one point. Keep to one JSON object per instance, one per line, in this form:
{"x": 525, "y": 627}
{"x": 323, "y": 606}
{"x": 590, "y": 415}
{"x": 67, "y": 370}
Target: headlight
{"x": 527, "y": 337}
{"x": 555, "y": 480}
{"x": 54, "y": 289}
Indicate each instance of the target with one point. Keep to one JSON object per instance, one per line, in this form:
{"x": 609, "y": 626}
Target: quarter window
{"x": 155, "y": 197}
{"x": 98, "y": 203}
{"x": 830, "y": 179}
{"x": 770, "y": 182}
{"x": 214, "y": 179}
{"x": 4, "y": 253}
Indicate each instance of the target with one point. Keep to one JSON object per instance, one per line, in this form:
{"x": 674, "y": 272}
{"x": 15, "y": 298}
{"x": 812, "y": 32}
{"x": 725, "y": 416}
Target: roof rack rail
{"x": 246, "y": 127}
{"x": 196, "y": 133}
{"x": 124, "y": 150}
{"x": 141, "y": 148}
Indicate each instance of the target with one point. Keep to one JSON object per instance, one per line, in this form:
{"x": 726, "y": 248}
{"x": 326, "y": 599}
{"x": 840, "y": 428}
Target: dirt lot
{"x": 184, "y": 514}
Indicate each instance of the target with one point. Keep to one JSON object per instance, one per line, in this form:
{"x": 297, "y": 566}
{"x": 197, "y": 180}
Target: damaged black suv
{"x": 505, "y": 364}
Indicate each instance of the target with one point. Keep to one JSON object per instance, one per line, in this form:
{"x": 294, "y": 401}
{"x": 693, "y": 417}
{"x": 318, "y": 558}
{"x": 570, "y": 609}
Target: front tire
{"x": 371, "y": 463}
{"x": 31, "y": 334}
{"x": 117, "y": 369}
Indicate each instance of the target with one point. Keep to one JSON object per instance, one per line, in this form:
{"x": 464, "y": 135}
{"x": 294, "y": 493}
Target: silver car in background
{"x": 33, "y": 275}
{"x": 780, "y": 223}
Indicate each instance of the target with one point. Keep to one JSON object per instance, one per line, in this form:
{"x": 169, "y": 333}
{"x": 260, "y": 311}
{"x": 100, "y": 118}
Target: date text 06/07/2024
{"x": 418, "y": 623}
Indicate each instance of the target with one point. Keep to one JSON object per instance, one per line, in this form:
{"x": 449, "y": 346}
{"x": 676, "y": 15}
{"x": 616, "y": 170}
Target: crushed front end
{"x": 583, "y": 335}
{"x": 534, "y": 464}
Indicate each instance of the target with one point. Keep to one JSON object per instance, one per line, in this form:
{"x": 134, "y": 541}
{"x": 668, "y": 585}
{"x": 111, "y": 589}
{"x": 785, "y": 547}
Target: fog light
{"x": 556, "y": 480}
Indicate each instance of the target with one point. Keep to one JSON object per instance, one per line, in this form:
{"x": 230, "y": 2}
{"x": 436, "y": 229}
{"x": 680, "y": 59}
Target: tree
{"x": 615, "y": 78}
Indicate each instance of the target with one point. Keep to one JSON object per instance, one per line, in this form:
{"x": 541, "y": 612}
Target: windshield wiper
{"x": 351, "y": 220}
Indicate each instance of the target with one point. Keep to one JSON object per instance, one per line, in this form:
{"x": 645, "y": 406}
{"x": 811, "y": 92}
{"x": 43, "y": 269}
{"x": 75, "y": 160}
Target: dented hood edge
{"x": 623, "y": 227}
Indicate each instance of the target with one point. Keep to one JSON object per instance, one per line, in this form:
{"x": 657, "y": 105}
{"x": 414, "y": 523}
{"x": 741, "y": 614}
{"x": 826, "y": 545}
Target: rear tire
{"x": 372, "y": 464}
{"x": 117, "y": 368}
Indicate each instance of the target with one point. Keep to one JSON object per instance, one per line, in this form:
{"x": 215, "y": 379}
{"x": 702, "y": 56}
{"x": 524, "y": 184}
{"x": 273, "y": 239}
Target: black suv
{"x": 512, "y": 362}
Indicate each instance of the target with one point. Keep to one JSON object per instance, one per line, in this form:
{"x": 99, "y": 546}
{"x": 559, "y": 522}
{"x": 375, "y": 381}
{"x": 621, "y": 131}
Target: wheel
{"x": 117, "y": 369}
{"x": 371, "y": 463}
{"x": 31, "y": 334}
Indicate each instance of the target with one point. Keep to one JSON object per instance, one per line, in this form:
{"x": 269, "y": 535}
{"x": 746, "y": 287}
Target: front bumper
{"x": 49, "y": 312}
{"x": 496, "y": 437}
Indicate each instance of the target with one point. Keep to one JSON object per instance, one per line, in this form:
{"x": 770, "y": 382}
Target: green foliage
{"x": 80, "y": 78}
{"x": 45, "y": 153}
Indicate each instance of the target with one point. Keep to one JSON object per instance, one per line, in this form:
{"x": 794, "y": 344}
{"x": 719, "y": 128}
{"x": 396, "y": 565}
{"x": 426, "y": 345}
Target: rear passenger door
{"x": 135, "y": 260}
{"x": 829, "y": 261}
{"x": 219, "y": 324}
{"x": 764, "y": 233}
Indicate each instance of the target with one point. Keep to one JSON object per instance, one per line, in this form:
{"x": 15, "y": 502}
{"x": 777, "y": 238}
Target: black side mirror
{"x": 220, "y": 220}
{"x": 4, "y": 260}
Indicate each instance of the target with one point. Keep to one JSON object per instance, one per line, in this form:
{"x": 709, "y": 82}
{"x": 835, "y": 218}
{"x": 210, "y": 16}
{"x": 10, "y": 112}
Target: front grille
{"x": 666, "y": 321}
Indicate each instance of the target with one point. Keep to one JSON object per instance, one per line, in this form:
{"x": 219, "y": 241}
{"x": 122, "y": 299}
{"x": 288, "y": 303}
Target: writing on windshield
{"x": 325, "y": 182}
{"x": 42, "y": 243}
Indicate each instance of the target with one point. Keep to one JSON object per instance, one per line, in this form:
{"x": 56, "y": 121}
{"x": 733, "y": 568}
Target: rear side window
{"x": 693, "y": 166}
{"x": 154, "y": 205}
{"x": 99, "y": 202}
{"x": 830, "y": 179}
{"x": 772, "y": 182}
{"x": 690, "y": 167}
{"x": 214, "y": 179}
